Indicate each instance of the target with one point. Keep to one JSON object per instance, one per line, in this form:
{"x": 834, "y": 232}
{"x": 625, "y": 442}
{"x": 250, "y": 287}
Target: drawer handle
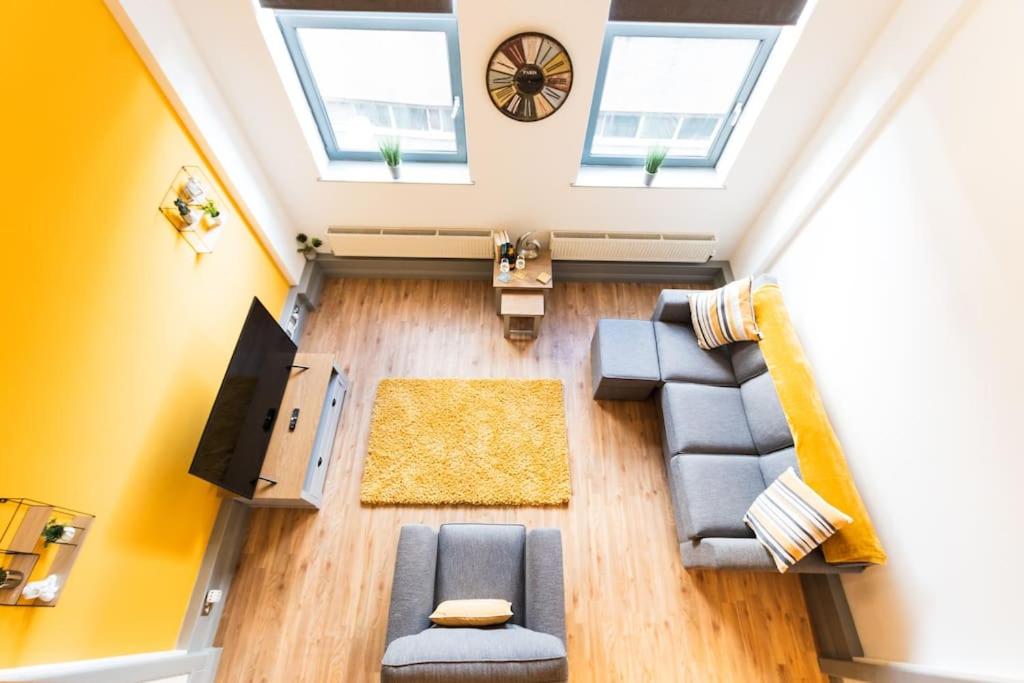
{"x": 334, "y": 402}
{"x": 319, "y": 461}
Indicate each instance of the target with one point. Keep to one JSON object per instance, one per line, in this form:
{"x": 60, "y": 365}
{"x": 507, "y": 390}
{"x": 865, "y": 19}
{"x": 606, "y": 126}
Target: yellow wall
{"x": 115, "y": 333}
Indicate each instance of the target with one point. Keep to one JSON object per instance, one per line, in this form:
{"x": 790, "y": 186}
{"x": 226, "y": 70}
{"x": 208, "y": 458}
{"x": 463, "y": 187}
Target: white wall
{"x": 905, "y": 285}
{"x": 161, "y": 38}
{"x": 523, "y": 172}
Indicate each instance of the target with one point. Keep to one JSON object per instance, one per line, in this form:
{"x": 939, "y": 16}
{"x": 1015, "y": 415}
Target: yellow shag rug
{"x": 467, "y": 441}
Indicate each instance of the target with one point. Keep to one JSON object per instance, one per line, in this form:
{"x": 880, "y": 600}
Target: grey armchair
{"x": 463, "y": 561}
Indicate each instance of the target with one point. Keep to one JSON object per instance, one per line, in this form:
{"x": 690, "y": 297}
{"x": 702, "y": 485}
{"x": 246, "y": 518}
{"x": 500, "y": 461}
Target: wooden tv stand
{"x": 298, "y": 458}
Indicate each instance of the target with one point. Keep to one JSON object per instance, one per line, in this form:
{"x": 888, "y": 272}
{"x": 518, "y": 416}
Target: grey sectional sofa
{"x": 464, "y": 561}
{"x": 725, "y": 437}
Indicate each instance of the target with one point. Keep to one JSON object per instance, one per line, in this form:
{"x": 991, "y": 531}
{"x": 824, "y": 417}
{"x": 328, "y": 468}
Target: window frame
{"x": 290, "y": 21}
{"x": 767, "y": 35}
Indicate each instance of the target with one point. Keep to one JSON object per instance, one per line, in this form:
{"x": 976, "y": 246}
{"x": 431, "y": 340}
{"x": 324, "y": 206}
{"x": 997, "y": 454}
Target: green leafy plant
{"x": 391, "y": 150}
{"x": 210, "y": 208}
{"x": 655, "y": 158}
{"x": 306, "y": 244}
{"x": 52, "y": 532}
{"x": 182, "y": 207}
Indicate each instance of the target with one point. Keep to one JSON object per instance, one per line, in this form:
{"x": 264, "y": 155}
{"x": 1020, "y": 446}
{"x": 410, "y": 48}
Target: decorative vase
{"x": 310, "y": 254}
{"x": 211, "y": 222}
{"x": 395, "y": 171}
{"x": 13, "y": 579}
{"x": 193, "y": 191}
{"x": 649, "y": 178}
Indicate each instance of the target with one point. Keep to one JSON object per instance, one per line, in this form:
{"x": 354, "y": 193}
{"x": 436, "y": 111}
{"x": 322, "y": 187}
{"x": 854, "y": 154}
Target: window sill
{"x": 412, "y": 173}
{"x": 674, "y": 178}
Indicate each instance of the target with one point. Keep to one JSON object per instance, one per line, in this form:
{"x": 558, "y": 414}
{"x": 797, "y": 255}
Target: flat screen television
{"x": 234, "y": 442}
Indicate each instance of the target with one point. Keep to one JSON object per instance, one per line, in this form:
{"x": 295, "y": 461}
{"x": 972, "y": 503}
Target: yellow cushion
{"x": 472, "y": 612}
{"x": 822, "y": 463}
{"x": 724, "y": 315}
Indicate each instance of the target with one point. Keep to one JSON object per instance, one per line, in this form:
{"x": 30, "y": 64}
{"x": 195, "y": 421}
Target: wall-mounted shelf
{"x": 203, "y": 232}
{"x": 22, "y": 547}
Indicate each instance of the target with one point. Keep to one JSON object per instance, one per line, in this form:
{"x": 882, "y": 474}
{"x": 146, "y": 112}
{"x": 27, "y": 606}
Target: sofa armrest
{"x": 749, "y": 555}
{"x": 545, "y": 589}
{"x": 673, "y": 306}
{"x": 412, "y": 589}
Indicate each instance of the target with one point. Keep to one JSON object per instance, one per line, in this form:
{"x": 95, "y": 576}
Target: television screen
{"x": 231, "y": 451}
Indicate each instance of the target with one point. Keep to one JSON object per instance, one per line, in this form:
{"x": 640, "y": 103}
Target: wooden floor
{"x": 311, "y": 596}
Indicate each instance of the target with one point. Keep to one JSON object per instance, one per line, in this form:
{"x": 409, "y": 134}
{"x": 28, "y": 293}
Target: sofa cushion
{"x": 475, "y": 655}
{"x": 747, "y": 360}
{"x": 681, "y": 360}
{"x": 704, "y": 419}
{"x": 774, "y": 464}
{"x": 481, "y": 561}
{"x": 724, "y": 315}
{"x": 673, "y": 306}
{"x": 768, "y": 425}
{"x": 713, "y": 492}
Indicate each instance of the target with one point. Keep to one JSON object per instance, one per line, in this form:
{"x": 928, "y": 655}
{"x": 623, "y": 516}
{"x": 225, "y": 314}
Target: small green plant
{"x": 210, "y": 208}
{"x": 655, "y": 158}
{"x": 308, "y": 245}
{"x": 182, "y": 207}
{"x": 391, "y": 150}
{"x": 52, "y": 532}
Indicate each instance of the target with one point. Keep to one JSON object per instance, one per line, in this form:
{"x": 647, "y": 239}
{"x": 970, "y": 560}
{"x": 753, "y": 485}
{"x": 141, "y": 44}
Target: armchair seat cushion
{"x": 502, "y": 654}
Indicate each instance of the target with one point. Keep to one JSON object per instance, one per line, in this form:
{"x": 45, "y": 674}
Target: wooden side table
{"x": 521, "y": 314}
{"x": 523, "y": 280}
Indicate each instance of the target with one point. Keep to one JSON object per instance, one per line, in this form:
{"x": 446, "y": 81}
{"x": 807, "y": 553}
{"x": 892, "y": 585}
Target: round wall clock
{"x": 529, "y": 76}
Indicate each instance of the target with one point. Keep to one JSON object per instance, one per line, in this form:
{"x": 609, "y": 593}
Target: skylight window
{"x": 372, "y": 76}
{"x": 680, "y": 86}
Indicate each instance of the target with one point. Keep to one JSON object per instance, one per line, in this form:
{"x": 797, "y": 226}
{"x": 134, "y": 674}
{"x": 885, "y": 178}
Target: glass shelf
{"x": 203, "y": 232}
{"x": 23, "y": 548}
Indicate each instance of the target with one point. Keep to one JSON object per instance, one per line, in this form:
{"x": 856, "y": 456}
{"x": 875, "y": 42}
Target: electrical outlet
{"x": 212, "y": 598}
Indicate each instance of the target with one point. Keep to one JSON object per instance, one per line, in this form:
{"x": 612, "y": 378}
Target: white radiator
{"x": 631, "y": 246}
{"x": 411, "y": 242}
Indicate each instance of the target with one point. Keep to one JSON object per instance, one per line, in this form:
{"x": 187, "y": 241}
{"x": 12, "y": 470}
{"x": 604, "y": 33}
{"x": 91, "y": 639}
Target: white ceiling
{"x": 523, "y": 172}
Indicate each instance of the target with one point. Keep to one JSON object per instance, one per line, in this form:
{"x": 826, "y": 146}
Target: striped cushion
{"x": 724, "y": 315}
{"x": 791, "y": 520}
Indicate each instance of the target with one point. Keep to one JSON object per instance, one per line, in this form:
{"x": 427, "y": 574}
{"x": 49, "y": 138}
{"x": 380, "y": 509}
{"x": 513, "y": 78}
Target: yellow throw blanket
{"x": 822, "y": 463}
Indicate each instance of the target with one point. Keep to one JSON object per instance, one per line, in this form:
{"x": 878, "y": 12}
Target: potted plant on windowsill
{"x": 308, "y": 247}
{"x": 211, "y": 214}
{"x": 655, "y": 158}
{"x": 391, "y": 151}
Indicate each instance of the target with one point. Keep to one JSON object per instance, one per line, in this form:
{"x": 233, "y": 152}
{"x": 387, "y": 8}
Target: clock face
{"x": 529, "y": 76}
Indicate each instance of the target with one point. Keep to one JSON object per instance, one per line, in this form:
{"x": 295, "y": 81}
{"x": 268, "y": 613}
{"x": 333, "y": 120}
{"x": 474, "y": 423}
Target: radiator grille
{"x": 631, "y": 246}
{"x": 411, "y": 242}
